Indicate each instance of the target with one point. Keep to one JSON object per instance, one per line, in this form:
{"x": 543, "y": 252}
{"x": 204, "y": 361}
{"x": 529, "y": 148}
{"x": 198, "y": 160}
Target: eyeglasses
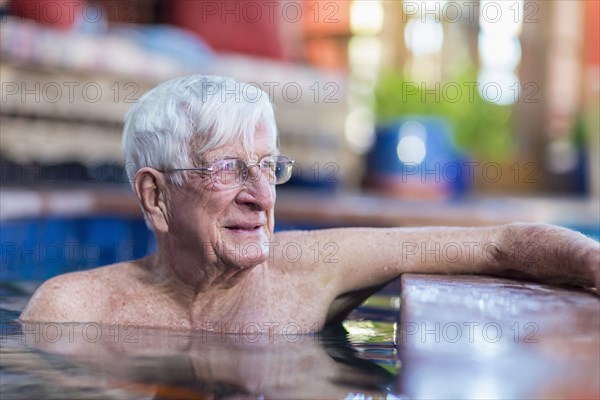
{"x": 230, "y": 173}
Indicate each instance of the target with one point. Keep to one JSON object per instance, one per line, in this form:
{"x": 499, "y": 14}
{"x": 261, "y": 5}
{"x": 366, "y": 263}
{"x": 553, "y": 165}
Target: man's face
{"x": 232, "y": 226}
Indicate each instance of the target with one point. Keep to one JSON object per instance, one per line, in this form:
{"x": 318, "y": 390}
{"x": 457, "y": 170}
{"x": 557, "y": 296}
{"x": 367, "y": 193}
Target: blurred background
{"x": 398, "y": 113}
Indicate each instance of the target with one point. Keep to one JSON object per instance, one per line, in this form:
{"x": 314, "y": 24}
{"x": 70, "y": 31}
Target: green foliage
{"x": 481, "y": 128}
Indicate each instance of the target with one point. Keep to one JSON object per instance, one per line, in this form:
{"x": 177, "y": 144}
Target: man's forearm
{"x": 539, "y": 252}
{"x": 366, "y": 257}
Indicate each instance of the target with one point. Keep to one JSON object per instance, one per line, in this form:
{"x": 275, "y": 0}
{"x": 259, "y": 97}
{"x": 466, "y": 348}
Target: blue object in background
{"x": 418, "y": 151}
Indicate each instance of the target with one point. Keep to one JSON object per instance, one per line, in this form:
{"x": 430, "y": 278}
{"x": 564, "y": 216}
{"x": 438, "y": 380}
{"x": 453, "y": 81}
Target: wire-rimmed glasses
{"x": 230, "y": 173}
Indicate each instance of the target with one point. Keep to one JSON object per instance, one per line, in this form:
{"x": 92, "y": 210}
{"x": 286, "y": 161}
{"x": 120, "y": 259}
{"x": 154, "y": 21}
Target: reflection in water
{"x": 164, "y": 364}
{"x": 86, "y": 360}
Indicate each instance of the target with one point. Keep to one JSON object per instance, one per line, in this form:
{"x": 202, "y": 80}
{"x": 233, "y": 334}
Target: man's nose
{"x": 259, "y": 192}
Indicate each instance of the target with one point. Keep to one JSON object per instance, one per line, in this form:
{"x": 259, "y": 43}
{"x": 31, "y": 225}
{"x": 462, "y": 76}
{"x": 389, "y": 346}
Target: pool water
{"x": 357, "y": 359}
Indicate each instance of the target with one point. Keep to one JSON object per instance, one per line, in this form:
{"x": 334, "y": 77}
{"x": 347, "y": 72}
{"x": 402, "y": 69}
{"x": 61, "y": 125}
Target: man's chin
{"x": 240, "y": 261}
{"x": 250, "y": 252}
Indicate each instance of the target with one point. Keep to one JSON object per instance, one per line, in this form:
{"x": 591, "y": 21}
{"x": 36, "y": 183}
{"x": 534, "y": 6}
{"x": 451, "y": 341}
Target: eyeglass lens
{"x": 234, "y": 172}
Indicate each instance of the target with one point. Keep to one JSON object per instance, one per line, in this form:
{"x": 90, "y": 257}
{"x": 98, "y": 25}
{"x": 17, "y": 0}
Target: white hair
{"x": 181, "y": 119}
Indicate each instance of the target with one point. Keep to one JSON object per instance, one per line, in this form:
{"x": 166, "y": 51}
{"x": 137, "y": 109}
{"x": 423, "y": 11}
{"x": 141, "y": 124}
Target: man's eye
{"x": 230, "y": 166}
{"x": 267, "y": 161}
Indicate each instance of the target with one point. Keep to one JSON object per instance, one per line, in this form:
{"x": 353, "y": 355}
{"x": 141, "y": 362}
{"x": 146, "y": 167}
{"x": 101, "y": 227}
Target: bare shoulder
{"x": 77, "y": 296}
{"x": 311, "y": 256}
{"x": 295, "y": 250}
{"x": 304, "y": 238}
{"x": 320, "y": 247}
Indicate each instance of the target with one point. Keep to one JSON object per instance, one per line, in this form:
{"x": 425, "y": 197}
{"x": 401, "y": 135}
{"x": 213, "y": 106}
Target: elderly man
{"x": 206, "y": 163}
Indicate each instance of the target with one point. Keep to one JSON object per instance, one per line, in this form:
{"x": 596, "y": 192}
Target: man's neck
{"x": 196, "y": 286}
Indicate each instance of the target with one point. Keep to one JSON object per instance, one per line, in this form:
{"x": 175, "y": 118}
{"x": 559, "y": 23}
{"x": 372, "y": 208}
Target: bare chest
{"x": 282, "y": 309}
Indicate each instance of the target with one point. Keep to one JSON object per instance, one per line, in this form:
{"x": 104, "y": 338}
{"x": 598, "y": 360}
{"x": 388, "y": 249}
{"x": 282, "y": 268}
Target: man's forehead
{"x": 264, "y": 144}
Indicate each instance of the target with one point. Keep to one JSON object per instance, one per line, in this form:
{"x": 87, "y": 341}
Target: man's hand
{"x": 549, "y": 253}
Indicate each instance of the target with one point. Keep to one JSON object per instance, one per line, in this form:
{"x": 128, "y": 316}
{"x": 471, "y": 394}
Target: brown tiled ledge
{"x": 481, "y": 337}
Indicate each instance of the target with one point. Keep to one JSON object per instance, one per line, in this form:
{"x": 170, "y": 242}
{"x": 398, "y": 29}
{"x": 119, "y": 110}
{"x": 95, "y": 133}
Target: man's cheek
{"x": 271, "y": 220}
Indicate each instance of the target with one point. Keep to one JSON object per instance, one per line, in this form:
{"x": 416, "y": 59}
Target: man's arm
{"x": 355, "y": 258}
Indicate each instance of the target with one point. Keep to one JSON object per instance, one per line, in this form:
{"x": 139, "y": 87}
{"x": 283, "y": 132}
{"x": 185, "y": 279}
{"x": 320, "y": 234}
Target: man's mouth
{"x": 244, "y": 228}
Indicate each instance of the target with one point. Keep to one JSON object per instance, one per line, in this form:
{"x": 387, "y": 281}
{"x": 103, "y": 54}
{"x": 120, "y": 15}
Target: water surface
{"x": 90, "y": 361}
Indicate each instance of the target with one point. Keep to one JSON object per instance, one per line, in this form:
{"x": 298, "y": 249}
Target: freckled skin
{"x": 201, "y": 278}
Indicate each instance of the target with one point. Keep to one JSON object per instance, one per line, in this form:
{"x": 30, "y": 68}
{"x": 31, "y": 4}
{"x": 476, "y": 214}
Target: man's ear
{"x": 150, "y": 185}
